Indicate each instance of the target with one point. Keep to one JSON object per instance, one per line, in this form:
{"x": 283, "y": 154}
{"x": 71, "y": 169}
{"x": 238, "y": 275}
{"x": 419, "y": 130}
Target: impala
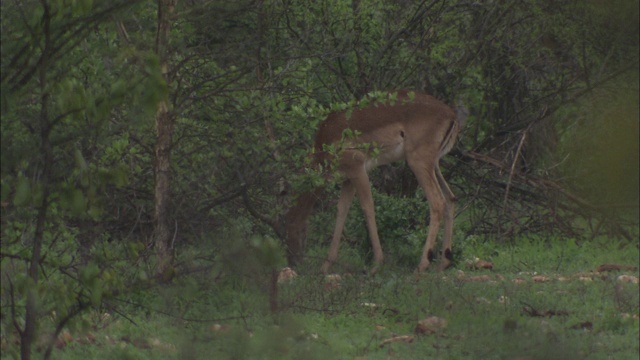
{"x": 405, "y": 125}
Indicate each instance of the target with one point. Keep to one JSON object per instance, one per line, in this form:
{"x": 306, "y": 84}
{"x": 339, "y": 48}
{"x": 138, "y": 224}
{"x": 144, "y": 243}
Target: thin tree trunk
{"x": 165, "y": 121}
{"x": 28, "y": 334}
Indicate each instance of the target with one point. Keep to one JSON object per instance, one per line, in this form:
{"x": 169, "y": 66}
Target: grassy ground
{"x": 539, "y": 301}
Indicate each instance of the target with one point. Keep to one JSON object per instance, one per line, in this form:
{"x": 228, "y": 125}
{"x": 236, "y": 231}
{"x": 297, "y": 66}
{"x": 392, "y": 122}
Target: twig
{"x": 513, "y": 166}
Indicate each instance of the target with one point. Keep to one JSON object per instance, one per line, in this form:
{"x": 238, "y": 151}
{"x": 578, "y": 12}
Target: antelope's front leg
{"x": 346, "y": 198}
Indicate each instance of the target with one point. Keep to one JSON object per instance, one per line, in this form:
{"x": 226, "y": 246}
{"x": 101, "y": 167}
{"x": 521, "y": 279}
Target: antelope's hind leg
{"x": 450, "y": 199}
{"x": 428, "y": 180}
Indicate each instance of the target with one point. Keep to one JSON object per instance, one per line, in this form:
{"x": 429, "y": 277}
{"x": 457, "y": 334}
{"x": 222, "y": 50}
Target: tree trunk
{"x": 28, "y": 334}
{"x": 165, "y": 120}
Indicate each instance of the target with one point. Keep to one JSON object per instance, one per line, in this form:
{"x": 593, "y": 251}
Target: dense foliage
{"x": 551, "y": 145}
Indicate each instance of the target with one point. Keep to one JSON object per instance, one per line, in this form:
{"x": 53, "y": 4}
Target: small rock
{"x": 479, "y": 264}
{"x": 540, "y": 278}
{"x": 332, "y": 281}
{"x": 628, "y": 278}
{"x": 286, "y": 274}
{"x": 430, "y": 325}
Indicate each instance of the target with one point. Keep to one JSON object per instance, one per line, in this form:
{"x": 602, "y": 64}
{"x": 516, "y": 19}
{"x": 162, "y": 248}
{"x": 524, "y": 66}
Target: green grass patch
{"x": 569, "y": 312}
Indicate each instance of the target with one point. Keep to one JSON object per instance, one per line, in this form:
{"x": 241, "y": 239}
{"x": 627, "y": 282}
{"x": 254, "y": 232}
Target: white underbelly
{"x": 386, "y": 156}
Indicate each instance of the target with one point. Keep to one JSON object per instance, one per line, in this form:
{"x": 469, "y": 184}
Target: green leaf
{"x": 268, "y": 250}
{"x": 96, "y": 292}
{"x": 142, "y": 276}
{"x": 89, "y": 274}
{"x": 84, "y": 179}
{"x": 77, "y": 202}
{"x": 118, "y": 88}
{"x": 5, "y": 192}
{"x": 95, "y": 211}
{"x": 120, "y": 177}
{"x": 80, "y": 161}
{"x": 81, "y": 7}
{"x": 23, "y": 192}
{"x": 134, "y": 248}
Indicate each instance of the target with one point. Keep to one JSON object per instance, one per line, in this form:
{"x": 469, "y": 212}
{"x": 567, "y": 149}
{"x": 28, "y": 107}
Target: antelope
{"x": 405, "y": 125}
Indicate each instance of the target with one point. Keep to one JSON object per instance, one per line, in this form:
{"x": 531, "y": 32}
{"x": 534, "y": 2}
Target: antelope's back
{"x": 405, "y": 109}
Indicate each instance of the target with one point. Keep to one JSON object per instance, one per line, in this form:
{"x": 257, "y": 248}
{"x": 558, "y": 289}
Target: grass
{"x": 490, "y": 314}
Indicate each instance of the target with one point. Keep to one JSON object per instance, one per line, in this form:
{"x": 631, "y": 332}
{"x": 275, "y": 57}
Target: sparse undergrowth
{"x": 539, "y": 301}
